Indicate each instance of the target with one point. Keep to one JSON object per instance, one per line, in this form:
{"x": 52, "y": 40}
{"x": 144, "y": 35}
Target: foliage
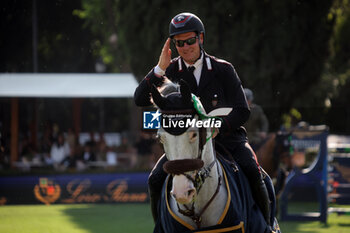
{"x": 339, "y": 68}
{"x": 279, "y": 48}
{"x": 63, "y": 45}
{"x": 340, "y": 59}
{"x": 100, "y": 17}
{"x": 292, "y": 54}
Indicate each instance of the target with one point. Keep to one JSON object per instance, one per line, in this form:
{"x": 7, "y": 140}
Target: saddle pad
{"x": 241, "y": 213}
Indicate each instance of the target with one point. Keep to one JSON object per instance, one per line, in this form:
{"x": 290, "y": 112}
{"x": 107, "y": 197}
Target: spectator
{"x": 46, "y": 143}
{"x": 4, "y": 151}
{"x": 101, "y": 152}
{"x": 27, "y": 153}
{"x": 127, "y": 152}
{"x": 92, "y": 142}
{"x": 88, "y": 153}
{"x": 70, "y": 161}
{"x": 111, "y": 157}
{"x": 257, "y": 125}
{"x": 59, "y": 151}
{"x": 144, "y": 151}
{"x": 55, "y": 132}
{"x": 26, "y": 149}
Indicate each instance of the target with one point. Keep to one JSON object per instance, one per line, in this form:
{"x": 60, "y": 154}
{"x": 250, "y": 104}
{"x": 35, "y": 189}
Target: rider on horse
{"x": 217, "y": 84}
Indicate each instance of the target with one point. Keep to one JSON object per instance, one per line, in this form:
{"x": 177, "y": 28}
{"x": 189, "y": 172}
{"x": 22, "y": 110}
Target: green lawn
{"x": 77, "y": 218}
{"x": 335, "y": 224}
{"x": 123, "y": 218}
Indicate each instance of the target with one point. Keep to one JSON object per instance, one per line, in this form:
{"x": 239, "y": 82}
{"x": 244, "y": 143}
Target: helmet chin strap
{"x": 200, "y": 43}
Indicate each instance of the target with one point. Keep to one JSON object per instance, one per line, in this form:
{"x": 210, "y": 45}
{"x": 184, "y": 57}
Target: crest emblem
{"x": 47, "y": 191}
{"x": 180, "y": 18}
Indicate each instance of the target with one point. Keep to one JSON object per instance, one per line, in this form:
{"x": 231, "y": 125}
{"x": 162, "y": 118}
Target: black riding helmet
{"x": 185, "y": 22}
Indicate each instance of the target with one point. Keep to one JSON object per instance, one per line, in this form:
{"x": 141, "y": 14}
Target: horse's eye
{"x": 192, "y": 136}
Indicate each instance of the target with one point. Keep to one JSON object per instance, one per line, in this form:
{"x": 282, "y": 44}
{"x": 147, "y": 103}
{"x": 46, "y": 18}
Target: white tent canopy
{"x": 67, "y": 85}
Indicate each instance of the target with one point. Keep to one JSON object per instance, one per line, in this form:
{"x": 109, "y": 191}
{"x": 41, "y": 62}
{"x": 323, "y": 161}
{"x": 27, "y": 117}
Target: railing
{"x": 124, "y": 160}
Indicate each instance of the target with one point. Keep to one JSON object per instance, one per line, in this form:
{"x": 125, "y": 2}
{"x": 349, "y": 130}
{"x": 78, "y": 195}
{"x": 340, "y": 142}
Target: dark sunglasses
{"x": 181, "y": 43}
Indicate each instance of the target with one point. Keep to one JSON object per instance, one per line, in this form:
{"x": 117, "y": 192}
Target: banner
{"x": 74, "y": 188}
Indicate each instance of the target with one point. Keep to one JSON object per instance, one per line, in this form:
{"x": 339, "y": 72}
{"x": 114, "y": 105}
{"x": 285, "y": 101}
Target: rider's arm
{"x": 142, "y": 95}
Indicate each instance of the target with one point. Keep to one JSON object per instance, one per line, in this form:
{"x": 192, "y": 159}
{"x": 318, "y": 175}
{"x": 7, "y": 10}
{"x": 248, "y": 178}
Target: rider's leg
{"x": 155, "y": 184}
{"x": 246, "y": 158}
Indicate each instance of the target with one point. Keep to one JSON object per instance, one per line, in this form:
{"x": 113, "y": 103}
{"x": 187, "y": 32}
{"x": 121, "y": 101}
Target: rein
{"x": 197, "y": 218}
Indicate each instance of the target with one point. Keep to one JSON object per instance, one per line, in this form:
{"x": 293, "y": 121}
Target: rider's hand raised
{"x": 165, "y": 56}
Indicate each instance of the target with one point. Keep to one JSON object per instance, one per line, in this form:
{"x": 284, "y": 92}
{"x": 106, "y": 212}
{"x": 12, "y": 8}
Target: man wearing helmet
{"x": 257, "y": 126}
{"x": 217, "y": 84}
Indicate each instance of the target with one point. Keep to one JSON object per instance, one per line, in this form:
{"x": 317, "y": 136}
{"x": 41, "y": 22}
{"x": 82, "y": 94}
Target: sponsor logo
{"x": 151, "y": 120}
{"x": 155, "y": 120}
{"x": 187, "y": 121}
{"x": 47, "y": 191}
{"x": 116, "y": 191}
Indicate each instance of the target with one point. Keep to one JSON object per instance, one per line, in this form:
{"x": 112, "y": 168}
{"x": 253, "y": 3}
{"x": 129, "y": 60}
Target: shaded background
{"x": 293, "y": 54}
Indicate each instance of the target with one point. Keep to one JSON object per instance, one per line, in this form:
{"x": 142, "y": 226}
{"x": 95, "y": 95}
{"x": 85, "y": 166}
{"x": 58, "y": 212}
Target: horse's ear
{"x": 185, "y": 91}
{"x": 158, "y": 99}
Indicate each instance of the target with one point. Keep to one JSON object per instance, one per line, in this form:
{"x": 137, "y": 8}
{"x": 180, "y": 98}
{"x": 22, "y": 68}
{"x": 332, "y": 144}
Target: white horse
{"x": 200, "y": 196}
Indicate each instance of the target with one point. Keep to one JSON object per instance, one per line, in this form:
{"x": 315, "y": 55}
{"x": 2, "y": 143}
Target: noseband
{"x": 182, "y": 166}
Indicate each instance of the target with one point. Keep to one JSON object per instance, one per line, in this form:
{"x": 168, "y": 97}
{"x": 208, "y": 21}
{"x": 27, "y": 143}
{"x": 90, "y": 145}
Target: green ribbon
{"x": 201, "y": 112}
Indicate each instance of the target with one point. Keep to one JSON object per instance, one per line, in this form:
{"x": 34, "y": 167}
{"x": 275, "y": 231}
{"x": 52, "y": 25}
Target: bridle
{"x": 183, "y": 166}
{"x": 193, "y": 106}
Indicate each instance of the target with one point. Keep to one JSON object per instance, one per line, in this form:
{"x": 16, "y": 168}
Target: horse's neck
{"x": 265, "y": 155}
{"x": 215, "y": 209}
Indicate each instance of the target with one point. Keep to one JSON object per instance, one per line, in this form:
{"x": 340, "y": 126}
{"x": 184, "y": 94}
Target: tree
{"x": 339, "y": 68}
{"x": 63, "y": 44}
{"x": 279, "y": 48}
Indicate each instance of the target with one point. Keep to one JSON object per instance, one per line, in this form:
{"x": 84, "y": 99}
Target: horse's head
{"x": 188, "y": 147}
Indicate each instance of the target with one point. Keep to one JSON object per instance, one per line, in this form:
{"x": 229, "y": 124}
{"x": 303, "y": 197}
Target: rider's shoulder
{"x": 219, "y": 61}
{"x": 221, "y": 65}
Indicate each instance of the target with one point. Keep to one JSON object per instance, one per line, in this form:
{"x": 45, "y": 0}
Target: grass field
{"x": 79, "y": 218}
{"x": 118, "y": 218}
